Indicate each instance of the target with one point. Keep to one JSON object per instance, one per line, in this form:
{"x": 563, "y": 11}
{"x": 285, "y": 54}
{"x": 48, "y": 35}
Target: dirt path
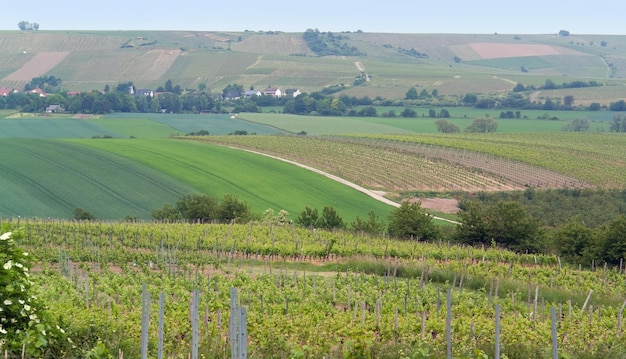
{"x": 362, "y": 70}
{"x": 374, "y": 194}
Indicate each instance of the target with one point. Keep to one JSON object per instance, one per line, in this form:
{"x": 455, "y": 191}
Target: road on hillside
{"x": 342, "y": 181}
{"x": 362, "y": 70}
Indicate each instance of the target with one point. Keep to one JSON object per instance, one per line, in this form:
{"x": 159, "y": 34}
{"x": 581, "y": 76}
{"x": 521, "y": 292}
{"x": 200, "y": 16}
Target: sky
{"x": 602, "y": 17}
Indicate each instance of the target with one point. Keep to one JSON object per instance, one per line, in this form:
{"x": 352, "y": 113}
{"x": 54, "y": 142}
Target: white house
{"x": 145, "y": 92}
{"x": 273, "y": 91}
{"x": 292, "y": 92}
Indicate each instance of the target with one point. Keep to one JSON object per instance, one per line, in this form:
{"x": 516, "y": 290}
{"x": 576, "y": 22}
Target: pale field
{"x": 40, "y": 64}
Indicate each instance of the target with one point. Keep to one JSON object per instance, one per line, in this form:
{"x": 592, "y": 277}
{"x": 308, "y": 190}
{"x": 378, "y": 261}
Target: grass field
{"x": 186, "y": 123}
{"x": 262, "y": 182}
{"x": 462, "y": 117}
{"x": 38, "y": 127}
{"x": 116, "y": 178}
{"x": 316, "y": 125}
{"x": 50, "y": 178}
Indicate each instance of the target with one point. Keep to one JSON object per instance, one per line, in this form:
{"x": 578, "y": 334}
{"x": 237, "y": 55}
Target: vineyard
{"x": 313, "y": 294}
{"x": 594, "y": 159}
{"x": 397, "y": 166}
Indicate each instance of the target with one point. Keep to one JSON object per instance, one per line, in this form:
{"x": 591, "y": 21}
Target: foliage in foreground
{"x": 25, "y": 324}
{"x": 334, "y": 309}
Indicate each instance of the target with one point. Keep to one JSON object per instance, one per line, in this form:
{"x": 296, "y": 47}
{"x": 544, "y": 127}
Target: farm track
{"x": 394, "y": 166}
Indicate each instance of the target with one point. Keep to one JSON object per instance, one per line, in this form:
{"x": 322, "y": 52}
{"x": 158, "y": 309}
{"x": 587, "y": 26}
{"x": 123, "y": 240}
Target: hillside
{"x": 451, "y": 64}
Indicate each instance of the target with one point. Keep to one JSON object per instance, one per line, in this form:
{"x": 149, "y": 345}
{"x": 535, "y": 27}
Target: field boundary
{"x": 353, "y": 185}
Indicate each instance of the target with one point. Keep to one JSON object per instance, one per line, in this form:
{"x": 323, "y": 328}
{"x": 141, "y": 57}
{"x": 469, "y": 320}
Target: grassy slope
{"x": 258, "y": 59}
{"x": 37, "y": 127}
{"x": 49, "y": 178}
{"x": 217, "y": 171}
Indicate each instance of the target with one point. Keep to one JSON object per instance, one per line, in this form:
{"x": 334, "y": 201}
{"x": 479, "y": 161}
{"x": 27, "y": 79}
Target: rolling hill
{"x": 454, "y": 64}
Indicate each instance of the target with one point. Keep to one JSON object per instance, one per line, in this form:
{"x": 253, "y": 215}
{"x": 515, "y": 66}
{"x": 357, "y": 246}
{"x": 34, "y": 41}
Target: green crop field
{"x": 50, "y": 178}
{"x": 260, "y": 181}
{"x": 462, "y": 117}
{"x": 186, "y": 123}
{"x": 320, "y": 125}
{"x": 55, "y": 127}
{"x": 136, "y": 127}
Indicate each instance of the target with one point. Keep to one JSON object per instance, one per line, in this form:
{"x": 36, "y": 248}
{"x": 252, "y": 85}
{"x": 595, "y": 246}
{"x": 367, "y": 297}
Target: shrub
{"x": 24, "y": 324}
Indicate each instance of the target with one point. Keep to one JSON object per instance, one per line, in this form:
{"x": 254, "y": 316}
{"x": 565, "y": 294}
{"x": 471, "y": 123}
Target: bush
{"x": 24, "y": 325}
{"x": 410, "y": 221}
{"x": 83, "y": 215}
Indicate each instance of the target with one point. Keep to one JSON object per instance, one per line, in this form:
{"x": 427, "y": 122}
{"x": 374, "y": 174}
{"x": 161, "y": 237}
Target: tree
{"x": 614, "y": 247}
{"x": 618, "y": 106}
{"x": 168, "y": 86}
{"x": 444, "y": 126}
{"x": 549, "y": 85}
{"x": 506, "y": 224}
{"x": 411, "y": 94}
{"x": 308, "y": 217}
{"x": 470, "y": 99}
{"x": 568, "y": 101}
{"x": 125, "y": 87}
{"x": 373, "y": 225}
{"x": 232, "y": 209}
{"x": 618, "y": 124}
{"x": 594, "y": 106}
{"x": 483, "y": 125}
{"x": 410, "y": 221}
{"x": 282, "y": 219}
{"x": 167, "y": 213}
{"x": 368, "y": 111}
{"x": 577, "y": 125}
{"x": 197, "y": 207}
{"x": 408, "y": 112}
{"x": 574, "y": 242}
{"x": 82, "y": 215}
{"x": 519, "y": 87}
{"x": 330, "y": 219}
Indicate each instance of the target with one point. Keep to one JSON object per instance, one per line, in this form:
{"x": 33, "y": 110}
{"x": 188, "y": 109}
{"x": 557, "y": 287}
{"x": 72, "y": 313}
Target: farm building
{"x": 292, "y": 92}
{"x": 251, "y": 93}
{"x": 273, "y": 91}
{"x": 5, "y": 91}
{"x": 54, "y": 109}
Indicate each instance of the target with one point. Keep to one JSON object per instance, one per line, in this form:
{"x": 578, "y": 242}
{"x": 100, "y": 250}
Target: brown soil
{"x": 443, "y": 205}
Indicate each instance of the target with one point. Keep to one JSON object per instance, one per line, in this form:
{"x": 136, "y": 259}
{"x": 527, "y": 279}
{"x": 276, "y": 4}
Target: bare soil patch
{"x": 37, "y": 66}
{"x": 488, "y": 50}
{"x": 443, "y": 205}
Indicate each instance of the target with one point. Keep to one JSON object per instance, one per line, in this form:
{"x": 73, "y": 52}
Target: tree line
{"x": 582, "y": 227}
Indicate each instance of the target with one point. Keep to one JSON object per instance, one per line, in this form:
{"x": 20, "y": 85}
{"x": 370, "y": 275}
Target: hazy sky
{"x": 393, "y": 16}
